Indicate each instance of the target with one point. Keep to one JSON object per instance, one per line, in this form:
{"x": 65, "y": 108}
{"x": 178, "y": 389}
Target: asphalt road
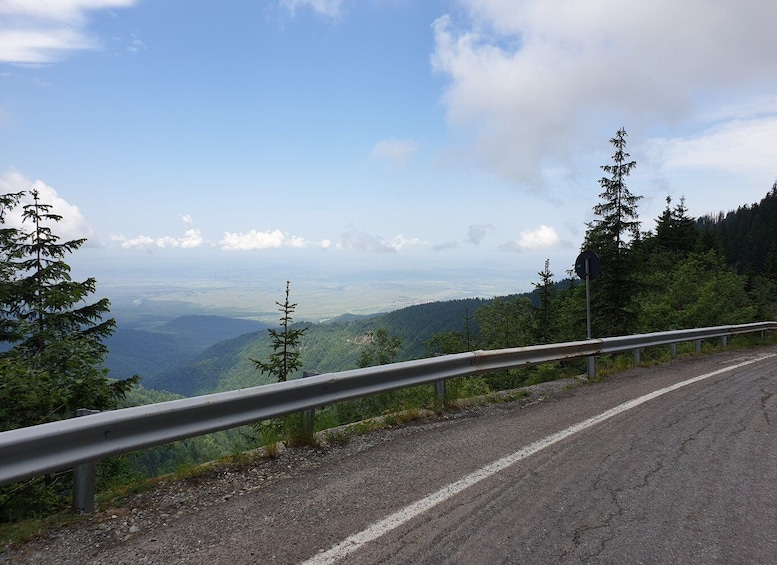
{"x": 689, "y": 476}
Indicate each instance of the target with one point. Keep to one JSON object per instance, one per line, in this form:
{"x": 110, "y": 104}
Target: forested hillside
{"x": 326, "y": 347}
{"x": 748, "y": 235}
{"x": 149, "y": 351}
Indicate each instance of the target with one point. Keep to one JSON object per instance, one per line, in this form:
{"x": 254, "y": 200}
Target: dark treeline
{"x": 747, "y": 236}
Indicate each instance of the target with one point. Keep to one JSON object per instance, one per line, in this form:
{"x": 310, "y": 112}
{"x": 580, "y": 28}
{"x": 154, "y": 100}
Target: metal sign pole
{"x": 591, "y": 360}
{"x": 588, "y": 297}
{"x": 588, "y": 266}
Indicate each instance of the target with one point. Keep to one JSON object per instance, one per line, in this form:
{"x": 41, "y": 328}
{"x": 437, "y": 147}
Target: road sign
{"x": 588, "y": 265}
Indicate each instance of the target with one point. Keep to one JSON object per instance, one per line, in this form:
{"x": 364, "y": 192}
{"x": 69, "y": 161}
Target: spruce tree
{"x": 285, "y": 358}
{"x": 544, "y": 322}
{"x": 611, "y": 236}
{"x": 52, "y": 364}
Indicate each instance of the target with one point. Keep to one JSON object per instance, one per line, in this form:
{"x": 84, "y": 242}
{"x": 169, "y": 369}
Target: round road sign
{"x": 588, "y": 265}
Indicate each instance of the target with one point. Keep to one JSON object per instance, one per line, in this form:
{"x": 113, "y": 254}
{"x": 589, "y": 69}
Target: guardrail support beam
{"x": 636, "y": 357}
{"x": 698, "y": 346}
{"x": 84, "y": 478}
{"x": 439, "y": 396}
{"x": 309, "y": 416}
{"x": 724, "y": 342}
{"x": 592, "y": 367}
{"x": 673, "y": 350}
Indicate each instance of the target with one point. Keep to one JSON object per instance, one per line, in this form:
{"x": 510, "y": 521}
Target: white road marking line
{"x": 393, "y": 521}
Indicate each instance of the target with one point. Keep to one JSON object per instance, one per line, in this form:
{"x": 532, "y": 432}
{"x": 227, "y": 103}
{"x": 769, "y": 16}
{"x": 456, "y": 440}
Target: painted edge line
{"x": 404, "y": 515}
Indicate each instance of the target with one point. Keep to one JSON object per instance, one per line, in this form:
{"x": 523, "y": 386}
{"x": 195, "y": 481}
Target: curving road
{"x": 647, "y": 467}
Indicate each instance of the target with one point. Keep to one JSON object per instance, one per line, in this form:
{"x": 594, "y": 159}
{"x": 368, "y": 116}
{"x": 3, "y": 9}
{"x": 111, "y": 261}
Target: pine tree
{"x": 544, "y": 319}
{"x": 676, "y": 232}
{"x": 611, "y": 237}
{"x": 285, "y": 359}
{"x": 53, "y": 362}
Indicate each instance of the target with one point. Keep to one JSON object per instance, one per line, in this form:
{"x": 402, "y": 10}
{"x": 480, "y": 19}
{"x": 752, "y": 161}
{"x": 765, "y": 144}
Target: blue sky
{"x": 394, "y": 136}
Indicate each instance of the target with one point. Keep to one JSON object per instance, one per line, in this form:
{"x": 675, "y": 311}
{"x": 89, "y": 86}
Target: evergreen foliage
{"x": 284, "y": 360}
{"x": 544, "y": 314}
{"x": 747, "y": 236}
{"x": 610, "y": 236}
{"x": 381, "y": 349}
{"x": 51, "y": 363}
{"x": 505, "y": 322}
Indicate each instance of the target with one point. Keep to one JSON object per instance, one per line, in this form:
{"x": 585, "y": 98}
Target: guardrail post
{"x": 84, "y": 478}
{"x": 309, "y": 415}
{"x": 636, "y": 357}
{"x": 592, "y": 367}
{"x": 698, "y": 346}
{"x": 724, "y": 342}
{"x": 673, "y": 350}
{"x": 439, "y": 396}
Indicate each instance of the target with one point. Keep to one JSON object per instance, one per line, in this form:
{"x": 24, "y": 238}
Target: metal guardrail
{"x": 37, "y": 450}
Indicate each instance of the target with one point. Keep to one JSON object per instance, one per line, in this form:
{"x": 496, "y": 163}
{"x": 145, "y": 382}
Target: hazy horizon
{"x": 241, "y": 289}
{"x": 375, "y": 153}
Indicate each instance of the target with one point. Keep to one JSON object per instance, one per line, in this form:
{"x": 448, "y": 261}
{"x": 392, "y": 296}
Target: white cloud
{"x": 394, "y": 151}
{"x": 330, "y": 8}
{"x": 543, "y": 237}
{"x": 140, "y": 241}
{"x": 530, "y": 78}
{"x": 37, "y": 46}
{"x": 260, "y": 240}
{"x": 186, "y": 218}
{"x": 190, "y": 240}
{"x": 361, "y": 241}
{"x": 41, "y": 31}
{"x": 400, "y": 241}
{"x": 734, "y": 147}
{"x": 73, "y": 224}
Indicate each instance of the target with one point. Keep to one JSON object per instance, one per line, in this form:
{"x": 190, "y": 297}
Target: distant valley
{"x": 154, "y": 348}
{"x": 195, "y": 354}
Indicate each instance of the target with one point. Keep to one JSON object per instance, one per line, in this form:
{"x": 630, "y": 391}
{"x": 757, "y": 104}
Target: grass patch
{"x": 16, "y": 533}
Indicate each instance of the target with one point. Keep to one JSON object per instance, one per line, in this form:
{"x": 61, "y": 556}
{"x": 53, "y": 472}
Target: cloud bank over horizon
{"x": 432, "y": 134}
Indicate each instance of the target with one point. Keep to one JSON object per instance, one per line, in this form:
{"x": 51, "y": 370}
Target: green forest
{"x": 684, "y": 272}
